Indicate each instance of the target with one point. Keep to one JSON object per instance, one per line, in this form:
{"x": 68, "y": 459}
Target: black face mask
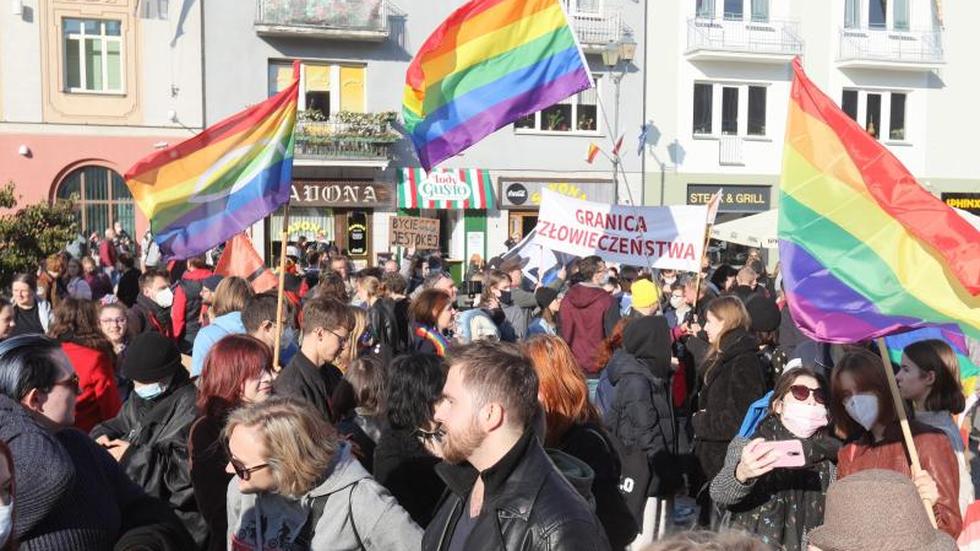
{"x": 505, "y": 298}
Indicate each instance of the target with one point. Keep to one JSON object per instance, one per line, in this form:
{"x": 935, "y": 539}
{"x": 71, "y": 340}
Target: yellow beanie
{"x": 645, "y": 293}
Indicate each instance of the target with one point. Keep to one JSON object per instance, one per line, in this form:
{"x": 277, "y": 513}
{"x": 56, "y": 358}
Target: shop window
{"x": 93, "y": 55}
{"x": 576, "y": 114}
{"x": 101, "y": 198}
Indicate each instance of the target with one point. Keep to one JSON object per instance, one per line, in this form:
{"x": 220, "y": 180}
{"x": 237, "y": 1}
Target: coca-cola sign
{"x": 347, "y": 193}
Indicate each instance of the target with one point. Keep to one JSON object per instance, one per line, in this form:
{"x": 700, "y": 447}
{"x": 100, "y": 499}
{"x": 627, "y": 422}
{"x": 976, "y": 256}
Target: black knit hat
{"x": 151, "y": 357}
{"x": 764, "y": 313}
{"x": 545, "y": 296}
{"x": 648, "y": 338}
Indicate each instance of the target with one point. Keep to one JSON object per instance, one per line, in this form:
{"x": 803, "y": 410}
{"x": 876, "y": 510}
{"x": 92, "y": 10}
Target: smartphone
{"x": 790, "y": 451}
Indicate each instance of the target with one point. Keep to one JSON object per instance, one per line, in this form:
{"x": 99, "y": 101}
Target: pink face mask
{"x": 803, "y": 419}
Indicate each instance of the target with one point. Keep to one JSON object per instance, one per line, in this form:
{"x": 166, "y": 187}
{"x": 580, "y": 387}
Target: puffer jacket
{"x": 935, "y": 456}
{"x": 640, "y": 415}
{"x": 734, "y": 380}
{"x": 527, "y": 506}
{"x": 157, "y": 459}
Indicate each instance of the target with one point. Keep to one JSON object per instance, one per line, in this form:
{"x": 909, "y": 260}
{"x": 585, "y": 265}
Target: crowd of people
{"x": 146, "y": 406}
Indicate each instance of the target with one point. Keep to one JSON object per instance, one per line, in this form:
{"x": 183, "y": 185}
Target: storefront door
{"x": 521, "y": 223}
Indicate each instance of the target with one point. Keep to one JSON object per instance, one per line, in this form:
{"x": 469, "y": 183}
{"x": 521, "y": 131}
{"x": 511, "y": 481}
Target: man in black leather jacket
{"x": 503, "y": 491}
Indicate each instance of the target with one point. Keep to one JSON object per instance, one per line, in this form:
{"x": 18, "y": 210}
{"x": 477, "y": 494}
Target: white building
{"x": 718, "y": 80}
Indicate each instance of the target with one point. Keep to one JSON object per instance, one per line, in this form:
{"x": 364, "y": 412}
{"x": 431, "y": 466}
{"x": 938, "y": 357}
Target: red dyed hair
{"x": 230, "y": 362}
{"x": 611, "y": 344}
{"x": 562, "y": 390}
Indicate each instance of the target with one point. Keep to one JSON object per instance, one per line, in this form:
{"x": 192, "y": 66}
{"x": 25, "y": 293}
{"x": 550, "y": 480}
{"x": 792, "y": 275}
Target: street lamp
{"x": 615, "y": 52}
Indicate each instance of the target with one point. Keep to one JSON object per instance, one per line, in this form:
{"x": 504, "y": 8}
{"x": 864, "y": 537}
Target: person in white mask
{"x": 757, "y": 490}
{"x": 864, "y": 411}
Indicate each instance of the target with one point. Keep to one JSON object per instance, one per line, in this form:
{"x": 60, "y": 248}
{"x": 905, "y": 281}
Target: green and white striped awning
{"x": 445, "y": 188}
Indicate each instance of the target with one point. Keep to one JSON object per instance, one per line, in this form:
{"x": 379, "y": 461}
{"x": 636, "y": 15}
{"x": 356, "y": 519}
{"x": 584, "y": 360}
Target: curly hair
{"x": 414, "y": 385}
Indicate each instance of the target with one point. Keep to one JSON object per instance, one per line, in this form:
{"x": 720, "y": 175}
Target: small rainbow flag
{"x": 490, "y": 63}
{"x": 866, "y": 251}
{"x": 203, "y": 191}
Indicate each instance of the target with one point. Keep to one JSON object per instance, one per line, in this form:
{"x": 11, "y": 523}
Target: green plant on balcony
{"x": 326, "y": 13}
{"x": 346, "y": 134}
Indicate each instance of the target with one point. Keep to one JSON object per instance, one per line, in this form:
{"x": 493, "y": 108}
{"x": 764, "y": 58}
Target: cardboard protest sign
{"x": 660, "y": 237}
{"x": 410, "y": 231}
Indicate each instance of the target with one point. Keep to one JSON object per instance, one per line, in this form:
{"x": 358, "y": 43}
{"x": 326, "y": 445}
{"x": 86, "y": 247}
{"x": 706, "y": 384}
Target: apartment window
{"x": 729, "y": 110}
{"x": 877, "y": 10}
{"x": 576, "y": 114}
{"x": 760, "y": 11}
{"x": 757, "y": 111}
{"x": 93, "y": 55}
{"x": 733, "y": 10}
{"x": 703, "y": 94}
{"x": 324, "y": 87}
{"x": 896, "y": 119}
{"x": 900, "y": 16}
{"x": 852, "y": 14}
{"x": 705, "y": 9}
{"x": 872, "y": 115}
{"x": 586, "y": 7}
{"x": 101, "y": 198}
{"x": 849, "y": 103}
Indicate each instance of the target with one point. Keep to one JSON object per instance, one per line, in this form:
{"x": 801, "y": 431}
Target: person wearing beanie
{"x": 877, "y": 509}
{"x": 646, "y": 298}
{"x": 546, "y": 322}
{"x": 634, "y": 394}
{"x": 149, "y": 436}
{"x": 764, "y": 326}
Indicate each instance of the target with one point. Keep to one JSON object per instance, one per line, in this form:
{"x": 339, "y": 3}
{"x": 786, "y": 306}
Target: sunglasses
{"x": 803, "y": 392}
{"x": 243, "y": 472}
{"x": 72, "y": 383}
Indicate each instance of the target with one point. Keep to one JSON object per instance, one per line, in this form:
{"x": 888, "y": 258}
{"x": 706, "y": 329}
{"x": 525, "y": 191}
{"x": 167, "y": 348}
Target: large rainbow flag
{"x": 490, "y": 63}
{"x": 866, "y": 251}
{"x": 203, "y": 191}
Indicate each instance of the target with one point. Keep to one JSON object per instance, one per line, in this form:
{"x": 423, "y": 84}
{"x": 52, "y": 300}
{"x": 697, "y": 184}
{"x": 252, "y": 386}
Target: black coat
{"x": 383, "y": 324}
{"x": 209, "y": 479}
{"x": 157, "y": 459}
{"x": 734, "y": 380}
{"x": 641, "y": 417}
{"x": 315, "y": 384}
{"x": 527, "y": 506}
{"x": 408, "y": 471}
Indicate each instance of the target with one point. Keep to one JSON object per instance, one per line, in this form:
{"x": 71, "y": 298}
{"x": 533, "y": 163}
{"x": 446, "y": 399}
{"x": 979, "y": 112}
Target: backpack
{"x": 317, "y": 504}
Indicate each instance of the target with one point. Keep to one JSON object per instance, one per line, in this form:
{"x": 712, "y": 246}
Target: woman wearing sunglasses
{"x": 777, "y": 503}
{"x": 864, "y": 411}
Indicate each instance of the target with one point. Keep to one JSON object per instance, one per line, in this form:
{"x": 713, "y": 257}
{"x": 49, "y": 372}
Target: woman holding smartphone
{"x": 773, "y": 484}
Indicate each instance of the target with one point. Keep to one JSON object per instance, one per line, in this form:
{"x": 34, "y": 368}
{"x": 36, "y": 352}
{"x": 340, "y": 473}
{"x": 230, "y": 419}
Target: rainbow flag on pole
{"x": 203, "y": 191}
{"x": 865, "y": 250}
{"x": 490, "y": 63}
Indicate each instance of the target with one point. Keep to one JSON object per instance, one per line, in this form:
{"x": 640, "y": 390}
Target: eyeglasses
{"x": 342, "y": 340}
{"x": 427, "y": 435}
{"x": 243, "y": 472}
{"x": 71, "y": 382}
{"x": 802, "y": 392}
{"x": 117, "y": 321}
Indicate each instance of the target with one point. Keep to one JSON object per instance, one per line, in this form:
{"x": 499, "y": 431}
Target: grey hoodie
{"x": 380, "y": 522}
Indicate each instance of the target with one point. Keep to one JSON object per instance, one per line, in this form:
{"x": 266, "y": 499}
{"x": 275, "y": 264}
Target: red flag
{"x": 619, "y": 144}
{"x": 241, "y": 259}
{"x": 593, "y": 151}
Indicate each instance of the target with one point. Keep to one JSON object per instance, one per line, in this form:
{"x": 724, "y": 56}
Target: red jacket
{"x": 99, "y": 400}
{"x": 935, "y": 455}
{"x": 178, "y": 312}
{"x": 107, "y": 254}
{"x": 581, "y": 318}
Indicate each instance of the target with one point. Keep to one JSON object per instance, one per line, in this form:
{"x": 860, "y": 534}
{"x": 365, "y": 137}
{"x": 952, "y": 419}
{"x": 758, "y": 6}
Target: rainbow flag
{"x": 203, "y": 191}
{"x": 865, "y": 250}
{"x": 490, "y": 63}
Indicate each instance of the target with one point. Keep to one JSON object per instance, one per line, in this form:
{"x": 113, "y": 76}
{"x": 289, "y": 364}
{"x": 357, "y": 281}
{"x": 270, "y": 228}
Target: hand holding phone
{"x": 790, "y": 453}
{"x": 760, "y": 457}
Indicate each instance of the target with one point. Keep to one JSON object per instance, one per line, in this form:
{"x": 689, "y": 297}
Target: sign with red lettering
{"x": 660, "y": 237}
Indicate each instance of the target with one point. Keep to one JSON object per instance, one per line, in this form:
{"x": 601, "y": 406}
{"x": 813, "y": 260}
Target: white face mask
{"x": 670, "y": 280}
{"x": 863, "y": 408}
{"x": 164, "y": 297}
{"x": 6, "y": 521}
{"x": 676, "y": 302}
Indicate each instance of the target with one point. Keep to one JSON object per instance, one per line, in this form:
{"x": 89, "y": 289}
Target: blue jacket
{"x": 228, "y": 324}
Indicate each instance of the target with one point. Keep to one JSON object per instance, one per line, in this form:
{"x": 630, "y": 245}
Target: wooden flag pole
{"x": 903, "y": 421}
{"x": 284, "y": 237}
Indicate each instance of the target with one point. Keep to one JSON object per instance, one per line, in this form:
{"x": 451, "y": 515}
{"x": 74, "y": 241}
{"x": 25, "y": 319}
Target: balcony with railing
{"x": 347, "y": 139}
{"x": 891, "y": 49}
{"x": 363, "y": 20}
{"x": 768, "y": 41}
{"x": 596, "y": 30}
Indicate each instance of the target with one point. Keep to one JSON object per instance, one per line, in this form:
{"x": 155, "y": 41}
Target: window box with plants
{"x": 346, "y": 135}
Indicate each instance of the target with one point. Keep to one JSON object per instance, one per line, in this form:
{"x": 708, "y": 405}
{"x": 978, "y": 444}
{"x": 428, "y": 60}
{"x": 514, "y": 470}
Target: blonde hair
{"x": 299, "y": 443}
{"x": 373, "y": 286}
{"x": 230, "y": 295}
{"x": 731, "y": 312}
{"x": 349, "y": 353}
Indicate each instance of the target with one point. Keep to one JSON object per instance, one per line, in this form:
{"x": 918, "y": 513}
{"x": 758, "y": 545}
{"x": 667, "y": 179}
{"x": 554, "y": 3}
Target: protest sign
{"x": 660, "y": 237}
{"x": 418, "y": 233}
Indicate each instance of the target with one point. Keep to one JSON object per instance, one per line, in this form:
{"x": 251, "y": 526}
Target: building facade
{"x": 88, "y": 88}
{"x": 719, "y": 76}
{"x": 355, "y": 169}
